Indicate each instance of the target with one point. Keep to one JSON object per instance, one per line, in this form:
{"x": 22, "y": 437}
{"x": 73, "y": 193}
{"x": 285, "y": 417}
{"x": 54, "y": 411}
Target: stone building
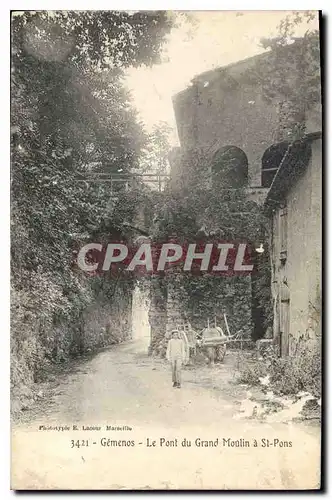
{"x": 293, "y": 205}
{"x": 224, "y": 112}
{"x": 224, "y": 109}
{"x": 223, "y": 119}
{"x": 221, "y": 108}
{"x": 225, "y": 128}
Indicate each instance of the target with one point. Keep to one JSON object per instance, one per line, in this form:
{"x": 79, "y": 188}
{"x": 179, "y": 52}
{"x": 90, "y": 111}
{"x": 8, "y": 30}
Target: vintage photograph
{"x": 166, "y": 250}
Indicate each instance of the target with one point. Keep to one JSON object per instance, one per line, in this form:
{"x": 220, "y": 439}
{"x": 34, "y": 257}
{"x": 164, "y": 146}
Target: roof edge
{"x": 288, "y": 160}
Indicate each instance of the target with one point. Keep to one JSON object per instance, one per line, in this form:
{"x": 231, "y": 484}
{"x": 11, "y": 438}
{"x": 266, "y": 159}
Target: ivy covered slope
{"x": 70, "y": 114}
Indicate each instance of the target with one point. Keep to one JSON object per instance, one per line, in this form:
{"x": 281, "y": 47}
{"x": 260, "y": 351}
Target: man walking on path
{"x": 176, "y": 354}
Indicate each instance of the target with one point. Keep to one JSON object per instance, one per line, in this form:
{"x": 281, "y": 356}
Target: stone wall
{"x": 302, "y": 268}
{"x": 221, "y": 109}
{"x": 226, "y": 107}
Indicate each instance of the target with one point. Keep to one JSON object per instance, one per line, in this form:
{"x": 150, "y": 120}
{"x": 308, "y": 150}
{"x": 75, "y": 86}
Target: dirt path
{"x": 123, "y": 387}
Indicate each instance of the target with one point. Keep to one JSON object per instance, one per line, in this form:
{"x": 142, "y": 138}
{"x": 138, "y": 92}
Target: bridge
{"x": 119, "y": 182}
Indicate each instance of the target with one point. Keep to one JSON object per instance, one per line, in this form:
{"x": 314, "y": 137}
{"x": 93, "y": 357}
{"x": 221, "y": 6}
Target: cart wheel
{"x": 221, "y": 351}
{"x": 211, "y": 354}
{"x": 224, "y": 349}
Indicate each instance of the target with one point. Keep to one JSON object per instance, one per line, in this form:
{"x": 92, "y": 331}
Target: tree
{"x": 154, "y": 157}
{"x": 70, "y": 113}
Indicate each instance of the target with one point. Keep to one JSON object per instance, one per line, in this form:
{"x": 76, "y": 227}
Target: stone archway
{"x": 229, "y": 167}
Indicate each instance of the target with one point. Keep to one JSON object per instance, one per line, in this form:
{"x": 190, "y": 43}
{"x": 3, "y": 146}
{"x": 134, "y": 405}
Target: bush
{"x": 301, "y": 372}
{"x": 252, "y": 372}
{"x": 288, "y": 376}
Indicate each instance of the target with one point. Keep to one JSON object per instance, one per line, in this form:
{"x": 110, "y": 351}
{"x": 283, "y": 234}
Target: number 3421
{"x": 78, "y": 443}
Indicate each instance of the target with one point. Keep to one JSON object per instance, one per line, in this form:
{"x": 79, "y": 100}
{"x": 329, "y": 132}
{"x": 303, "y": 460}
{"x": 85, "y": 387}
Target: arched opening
{"x": 271, "y": 160}
{"x": 230, "y": 167}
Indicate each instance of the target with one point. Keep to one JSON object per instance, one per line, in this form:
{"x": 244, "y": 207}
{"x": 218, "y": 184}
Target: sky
{"x": 211, "y": 40}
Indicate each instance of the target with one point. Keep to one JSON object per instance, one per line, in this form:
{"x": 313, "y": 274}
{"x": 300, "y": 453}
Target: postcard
{"x": 166, "y": 247}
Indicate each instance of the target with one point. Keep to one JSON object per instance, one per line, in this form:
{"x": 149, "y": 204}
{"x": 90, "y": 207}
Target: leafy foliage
{"x": 154, "y": 157}
{"x": 203, "y": 215}
{"x": 252, "y": 372}
{"x": 71, "y": 115}
{"x": 287, "y": 376}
